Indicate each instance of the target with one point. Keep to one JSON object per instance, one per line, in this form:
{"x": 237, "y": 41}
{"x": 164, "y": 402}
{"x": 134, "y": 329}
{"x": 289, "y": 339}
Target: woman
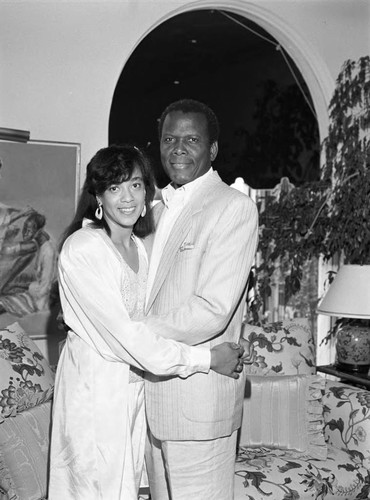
{"x": 98, "y": 416}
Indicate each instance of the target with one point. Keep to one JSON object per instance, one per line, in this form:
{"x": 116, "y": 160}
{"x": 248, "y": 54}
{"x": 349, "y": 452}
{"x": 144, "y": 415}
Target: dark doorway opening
{"x": 268, "y": 124}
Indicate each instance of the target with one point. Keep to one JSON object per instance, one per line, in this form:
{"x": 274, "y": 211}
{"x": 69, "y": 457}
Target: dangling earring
{"x": 143, "y": 212}
{"x": 99, "y": 211}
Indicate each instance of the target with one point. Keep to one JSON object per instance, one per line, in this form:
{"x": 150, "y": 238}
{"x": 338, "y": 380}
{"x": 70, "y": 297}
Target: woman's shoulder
{"x": 85, "y": 247}
{"x": 85, "y": 236}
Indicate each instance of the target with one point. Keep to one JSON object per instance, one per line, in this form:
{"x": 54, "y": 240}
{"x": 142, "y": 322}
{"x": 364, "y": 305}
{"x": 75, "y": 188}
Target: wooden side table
{"x": 354, "y": 378}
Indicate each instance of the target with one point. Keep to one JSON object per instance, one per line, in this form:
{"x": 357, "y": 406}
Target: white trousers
{"x": 191, "y": 470}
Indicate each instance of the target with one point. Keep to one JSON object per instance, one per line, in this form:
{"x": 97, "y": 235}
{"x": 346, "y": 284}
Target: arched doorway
{"x": 311, "y": 73}
{"x": 241, "y": 71}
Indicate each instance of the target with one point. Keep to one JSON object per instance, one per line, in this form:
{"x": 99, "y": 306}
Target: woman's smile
{"x": 127, "y": 210}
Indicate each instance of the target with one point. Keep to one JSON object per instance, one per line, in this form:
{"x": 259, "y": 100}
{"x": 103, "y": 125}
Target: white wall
{"x": 60, "y": 60}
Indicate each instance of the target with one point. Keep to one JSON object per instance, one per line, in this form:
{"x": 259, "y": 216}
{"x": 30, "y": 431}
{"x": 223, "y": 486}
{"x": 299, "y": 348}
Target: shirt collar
{"x": 169, "y": 193}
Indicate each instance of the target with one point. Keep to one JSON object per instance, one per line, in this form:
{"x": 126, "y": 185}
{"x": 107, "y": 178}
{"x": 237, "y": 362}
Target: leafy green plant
{"x": 330, "y": 217}
{"x": 347, "y": 166}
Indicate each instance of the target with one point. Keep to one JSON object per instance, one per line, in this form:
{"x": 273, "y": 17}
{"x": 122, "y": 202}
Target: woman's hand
{"x": 249, "y": 354}
{"x": 226, "y": 359}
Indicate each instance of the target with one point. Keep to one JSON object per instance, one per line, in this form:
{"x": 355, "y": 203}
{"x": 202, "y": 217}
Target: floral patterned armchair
{"x": 302, "y": 436}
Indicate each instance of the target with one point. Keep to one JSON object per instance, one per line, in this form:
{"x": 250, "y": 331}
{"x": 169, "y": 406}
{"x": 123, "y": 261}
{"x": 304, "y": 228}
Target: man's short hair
{"x": 192, "y": 106}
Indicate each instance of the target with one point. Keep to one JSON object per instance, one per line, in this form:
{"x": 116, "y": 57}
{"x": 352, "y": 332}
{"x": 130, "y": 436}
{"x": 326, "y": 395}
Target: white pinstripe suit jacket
{"x": 198, "y": 296}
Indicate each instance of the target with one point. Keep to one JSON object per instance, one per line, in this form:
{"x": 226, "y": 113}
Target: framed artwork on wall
{"x": 39, "y": 186}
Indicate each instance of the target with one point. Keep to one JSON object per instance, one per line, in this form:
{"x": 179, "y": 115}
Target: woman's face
{"x": 123, "y": 203}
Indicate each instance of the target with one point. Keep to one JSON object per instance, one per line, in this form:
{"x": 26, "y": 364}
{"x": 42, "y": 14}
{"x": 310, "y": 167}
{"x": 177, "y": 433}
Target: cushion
{"x": 24, "y": 449}
{"x": 26, "y": 379}
{"x": 285, "y": 413}
{"x": 267, "y": 474}
{"x": 281, "y": 348}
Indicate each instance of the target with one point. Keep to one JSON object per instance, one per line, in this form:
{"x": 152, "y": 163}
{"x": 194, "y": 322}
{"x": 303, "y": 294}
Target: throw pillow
{"x": 285, "y": 413}
{"x": 26, "y": 379}
{"x": 281, "y": 348}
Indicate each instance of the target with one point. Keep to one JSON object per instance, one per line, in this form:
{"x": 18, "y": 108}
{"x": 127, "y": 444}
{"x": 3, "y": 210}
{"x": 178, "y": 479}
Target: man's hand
{"x": 226, "y": 359}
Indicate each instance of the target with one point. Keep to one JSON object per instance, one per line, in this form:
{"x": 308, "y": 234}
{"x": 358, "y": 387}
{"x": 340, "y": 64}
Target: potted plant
{"x": 329, "y": 217}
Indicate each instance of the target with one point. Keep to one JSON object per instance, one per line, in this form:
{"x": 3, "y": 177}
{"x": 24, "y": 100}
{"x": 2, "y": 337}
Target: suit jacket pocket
{"x": 209, "y": 398}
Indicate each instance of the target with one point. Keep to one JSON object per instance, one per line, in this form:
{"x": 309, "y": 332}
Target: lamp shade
{"x": 349, "y": 294}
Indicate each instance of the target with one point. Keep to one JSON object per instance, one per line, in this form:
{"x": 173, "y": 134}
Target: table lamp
{"x": 349, "y": 297}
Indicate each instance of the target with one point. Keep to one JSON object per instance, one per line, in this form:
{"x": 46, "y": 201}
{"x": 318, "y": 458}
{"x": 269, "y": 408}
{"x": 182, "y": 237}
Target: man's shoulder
{"x": 157, "y": 206}
{"x": 230, "y": 195}
{"x": 157, "y": 210}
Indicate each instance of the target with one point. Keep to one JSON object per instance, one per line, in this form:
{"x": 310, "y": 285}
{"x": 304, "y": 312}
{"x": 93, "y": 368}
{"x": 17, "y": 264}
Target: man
{"x": 202, "y": 253}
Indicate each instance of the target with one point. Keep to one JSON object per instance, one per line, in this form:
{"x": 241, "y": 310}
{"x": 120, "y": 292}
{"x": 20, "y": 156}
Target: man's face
{"x": 186, "y": 153}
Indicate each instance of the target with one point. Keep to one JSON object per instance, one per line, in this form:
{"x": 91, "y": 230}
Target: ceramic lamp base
{"x": 353, "y": 348}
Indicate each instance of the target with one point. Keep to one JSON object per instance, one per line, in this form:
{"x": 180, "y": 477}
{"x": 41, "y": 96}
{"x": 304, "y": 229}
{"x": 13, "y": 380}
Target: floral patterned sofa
{"x": 27, "y": 383}
{"x": 302, "y": 437}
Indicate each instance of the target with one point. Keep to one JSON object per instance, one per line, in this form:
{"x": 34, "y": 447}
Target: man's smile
{"x": 180, "y": 165}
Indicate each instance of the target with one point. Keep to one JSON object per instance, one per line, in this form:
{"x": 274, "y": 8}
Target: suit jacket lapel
{"x": 179, "y": 231}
